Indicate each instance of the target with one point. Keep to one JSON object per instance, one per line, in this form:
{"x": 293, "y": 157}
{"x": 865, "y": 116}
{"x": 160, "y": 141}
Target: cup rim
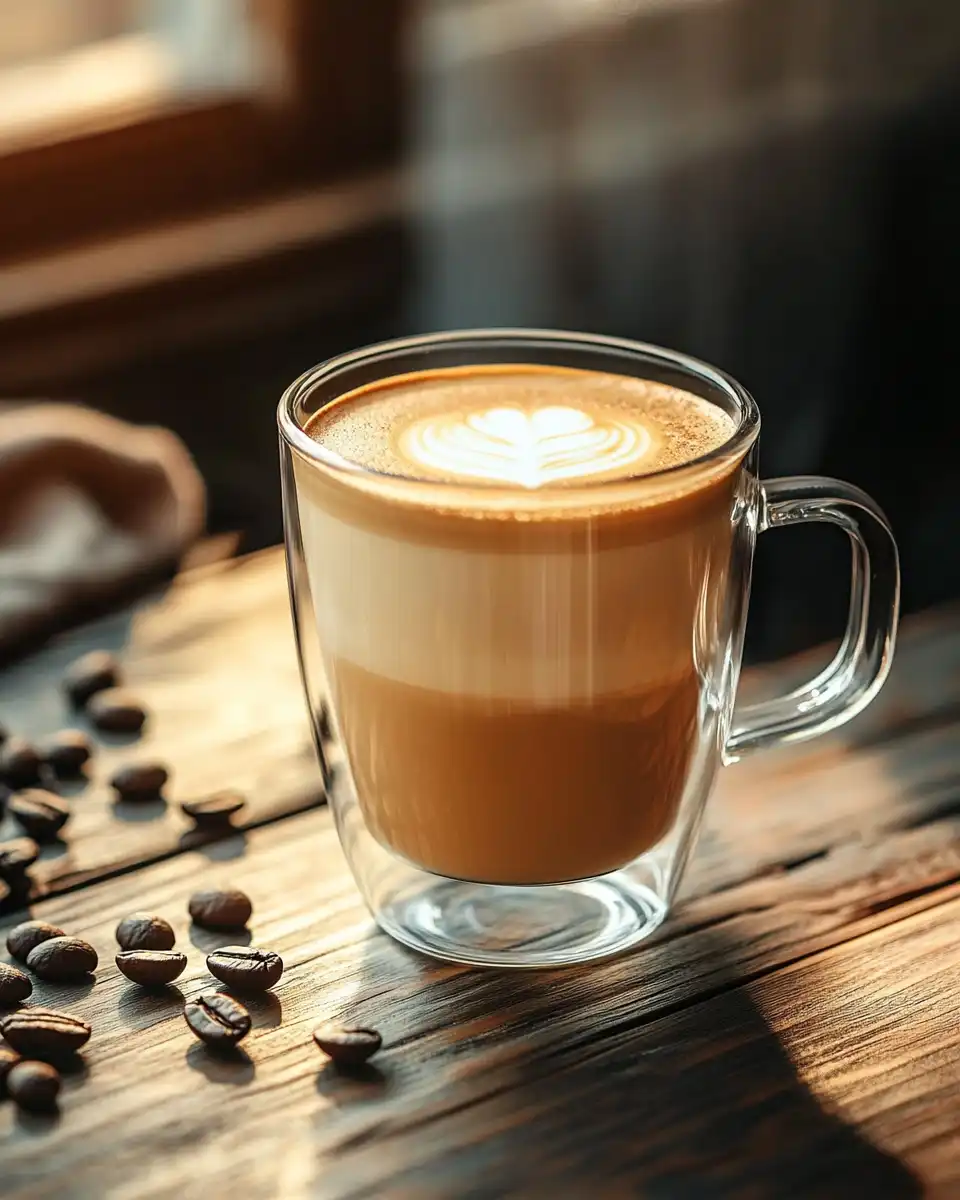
{"x": 293, "y": 433}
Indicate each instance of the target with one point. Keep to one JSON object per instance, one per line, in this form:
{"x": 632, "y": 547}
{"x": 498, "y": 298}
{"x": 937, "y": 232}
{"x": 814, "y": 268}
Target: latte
{"x": 505, "y": 595}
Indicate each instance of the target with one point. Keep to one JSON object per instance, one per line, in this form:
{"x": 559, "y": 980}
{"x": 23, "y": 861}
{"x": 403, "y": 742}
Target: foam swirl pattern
{"x": 530, "y": 449}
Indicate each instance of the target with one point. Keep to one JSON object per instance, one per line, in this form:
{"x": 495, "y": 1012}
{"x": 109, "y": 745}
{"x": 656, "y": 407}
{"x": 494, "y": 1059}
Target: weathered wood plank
{"x": 213, "y": 658}
{"x": 658, "y": 1074}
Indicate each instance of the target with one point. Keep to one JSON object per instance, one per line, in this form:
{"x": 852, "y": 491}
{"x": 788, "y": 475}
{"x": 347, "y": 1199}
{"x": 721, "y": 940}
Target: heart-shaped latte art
{"x": 529, "y": 449}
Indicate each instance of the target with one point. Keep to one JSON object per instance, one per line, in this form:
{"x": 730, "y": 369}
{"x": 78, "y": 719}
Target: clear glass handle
{"x": 861, "y": 664}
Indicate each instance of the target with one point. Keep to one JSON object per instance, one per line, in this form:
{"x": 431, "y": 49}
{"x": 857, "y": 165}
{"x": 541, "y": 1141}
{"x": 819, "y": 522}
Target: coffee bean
{"x": 15, "y": 987}
{"x": 139, "y": 781}
{"x": 16, "y": 858}
{"x": 117, "y": 711}
{"x": 217, "y": 1020}
{"x": 151, "y": 968}
{"x": 41, "y": 814}
{"x": 226, "y": 908}
{"x": 214, "y": 812}
{"x": 20, "y": 762}
{"x": 63, "y": 960}
{"x": 245, "y": 968}
{"x": 42, "y": 1033}
{"x": 66, "y": 752}
{"x": 34, "y": 1086}
{"x": 24, "y": 937}
{"x": 141, "y": 931}
{"x": 8, "y": 1059}
{"x": 348, "y": 1046}
{"x": 94, "y": 672}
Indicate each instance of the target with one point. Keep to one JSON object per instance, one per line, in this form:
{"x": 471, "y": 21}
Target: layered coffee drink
{"x": 505, "y": 572}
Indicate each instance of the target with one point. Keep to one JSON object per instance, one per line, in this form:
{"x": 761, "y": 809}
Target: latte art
{"x": 525, "y": 448}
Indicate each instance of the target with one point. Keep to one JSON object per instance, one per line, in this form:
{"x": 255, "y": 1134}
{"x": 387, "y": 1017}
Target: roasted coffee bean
{"x": 23, "y": 938}
{"x": 94, "y": 672}
{"x": 218, "y": 1020}
{"x": 42, "y": 1033}
{"x": 15, "y": 987}
{"x": 34, "y": 1086}
{"x": 41, "y": 814}
{"x": 17, "y": 857}
{"x": 63, "y": 960}
{"x": 8, "y": 1059}
{"x": 348, "y": 1046}
{"x": 245, "y": 968}
{"x": 20, "y": 762}
{"x": 225, "y": 908}
{"x": 151, "y": 968}
{"x": 141, "y": 931}
{"x": 214, "y": 812}
{"x": 66, "y": 752}
{"x": 117, "y": 711}
{"x": 139, "y": 781}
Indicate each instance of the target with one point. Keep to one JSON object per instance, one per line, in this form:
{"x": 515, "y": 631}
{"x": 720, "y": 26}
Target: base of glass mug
{"x": 533, "y": 927}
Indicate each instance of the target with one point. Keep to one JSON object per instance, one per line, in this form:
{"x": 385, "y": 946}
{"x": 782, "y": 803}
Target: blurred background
{"x": 201, "y": 198}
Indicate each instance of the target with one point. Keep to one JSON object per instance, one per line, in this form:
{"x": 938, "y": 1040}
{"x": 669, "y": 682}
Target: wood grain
{"x": 212, "y": 656}
{"x": 734, "y": 1053}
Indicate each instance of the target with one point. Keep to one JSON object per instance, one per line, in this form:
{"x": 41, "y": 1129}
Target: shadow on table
{"x": 558, "y": 1084}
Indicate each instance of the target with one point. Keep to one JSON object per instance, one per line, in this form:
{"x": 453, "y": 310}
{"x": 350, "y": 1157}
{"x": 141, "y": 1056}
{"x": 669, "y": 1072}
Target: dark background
{"x": 773, "y": 185}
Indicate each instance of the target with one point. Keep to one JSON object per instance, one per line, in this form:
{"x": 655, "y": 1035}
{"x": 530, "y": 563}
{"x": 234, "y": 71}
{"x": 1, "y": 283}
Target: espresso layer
{"x": 505, "y": 793}
{"x": 523, "y": 426}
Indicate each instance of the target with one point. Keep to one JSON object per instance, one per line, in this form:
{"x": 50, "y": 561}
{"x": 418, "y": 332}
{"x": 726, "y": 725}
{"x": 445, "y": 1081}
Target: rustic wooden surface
{"x": 212, "y": 657}
{"x": 791, "y": 1031}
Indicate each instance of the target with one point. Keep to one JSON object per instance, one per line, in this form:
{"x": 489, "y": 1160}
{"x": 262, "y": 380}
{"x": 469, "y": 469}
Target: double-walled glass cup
{"x": 533, "y": 686}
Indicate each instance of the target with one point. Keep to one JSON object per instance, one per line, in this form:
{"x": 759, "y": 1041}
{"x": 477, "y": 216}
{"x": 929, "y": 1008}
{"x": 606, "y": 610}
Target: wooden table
{"x": 793, "y": 1030}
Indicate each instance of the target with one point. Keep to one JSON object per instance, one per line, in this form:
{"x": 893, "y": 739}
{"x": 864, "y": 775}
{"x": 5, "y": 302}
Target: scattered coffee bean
{"x": 15, "y": 987}
{"x": 41, "y": 814}
{"x": 139, "y": 781}
{"x": 34, "y": 1086}
{"x": 42, "y": 1033}
{"x": 141, "y": 931}
{"x": 25, "y": 937}
{"x": 94, "y": 672}
{"x": 151, "y": 968}
{"x": 17, "y": 857}
{"x": 63, "y": 960}
{"x": 217, "y": 1020}
{"x": 214, "y": 812}
{"x": 20, "y": 762}
{"x": 8, "y": 1059}
{"x": 117, "y": 711}
{"x": 225, "y": 908}
{"x": 66, "y": 752}
{"x": 245, "y": 968}
{"x": 348, "y": 1046}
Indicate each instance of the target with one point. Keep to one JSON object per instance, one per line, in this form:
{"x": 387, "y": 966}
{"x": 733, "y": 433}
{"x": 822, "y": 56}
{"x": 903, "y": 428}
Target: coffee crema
{"x": 519, "y": 425}
{"x": 518, "y": 684}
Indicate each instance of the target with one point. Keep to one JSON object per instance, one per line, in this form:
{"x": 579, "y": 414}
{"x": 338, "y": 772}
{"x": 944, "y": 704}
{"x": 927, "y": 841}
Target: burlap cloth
{"x": 89, "y": 506}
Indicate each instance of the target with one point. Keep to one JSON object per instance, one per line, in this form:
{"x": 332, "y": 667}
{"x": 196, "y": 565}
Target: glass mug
{"x": 555, "y": 829}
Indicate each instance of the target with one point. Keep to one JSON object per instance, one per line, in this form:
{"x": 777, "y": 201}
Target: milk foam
{"x": 536, "y": 628}
{"x": 517, "y": 425}
{"x": 529, "y": 449}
